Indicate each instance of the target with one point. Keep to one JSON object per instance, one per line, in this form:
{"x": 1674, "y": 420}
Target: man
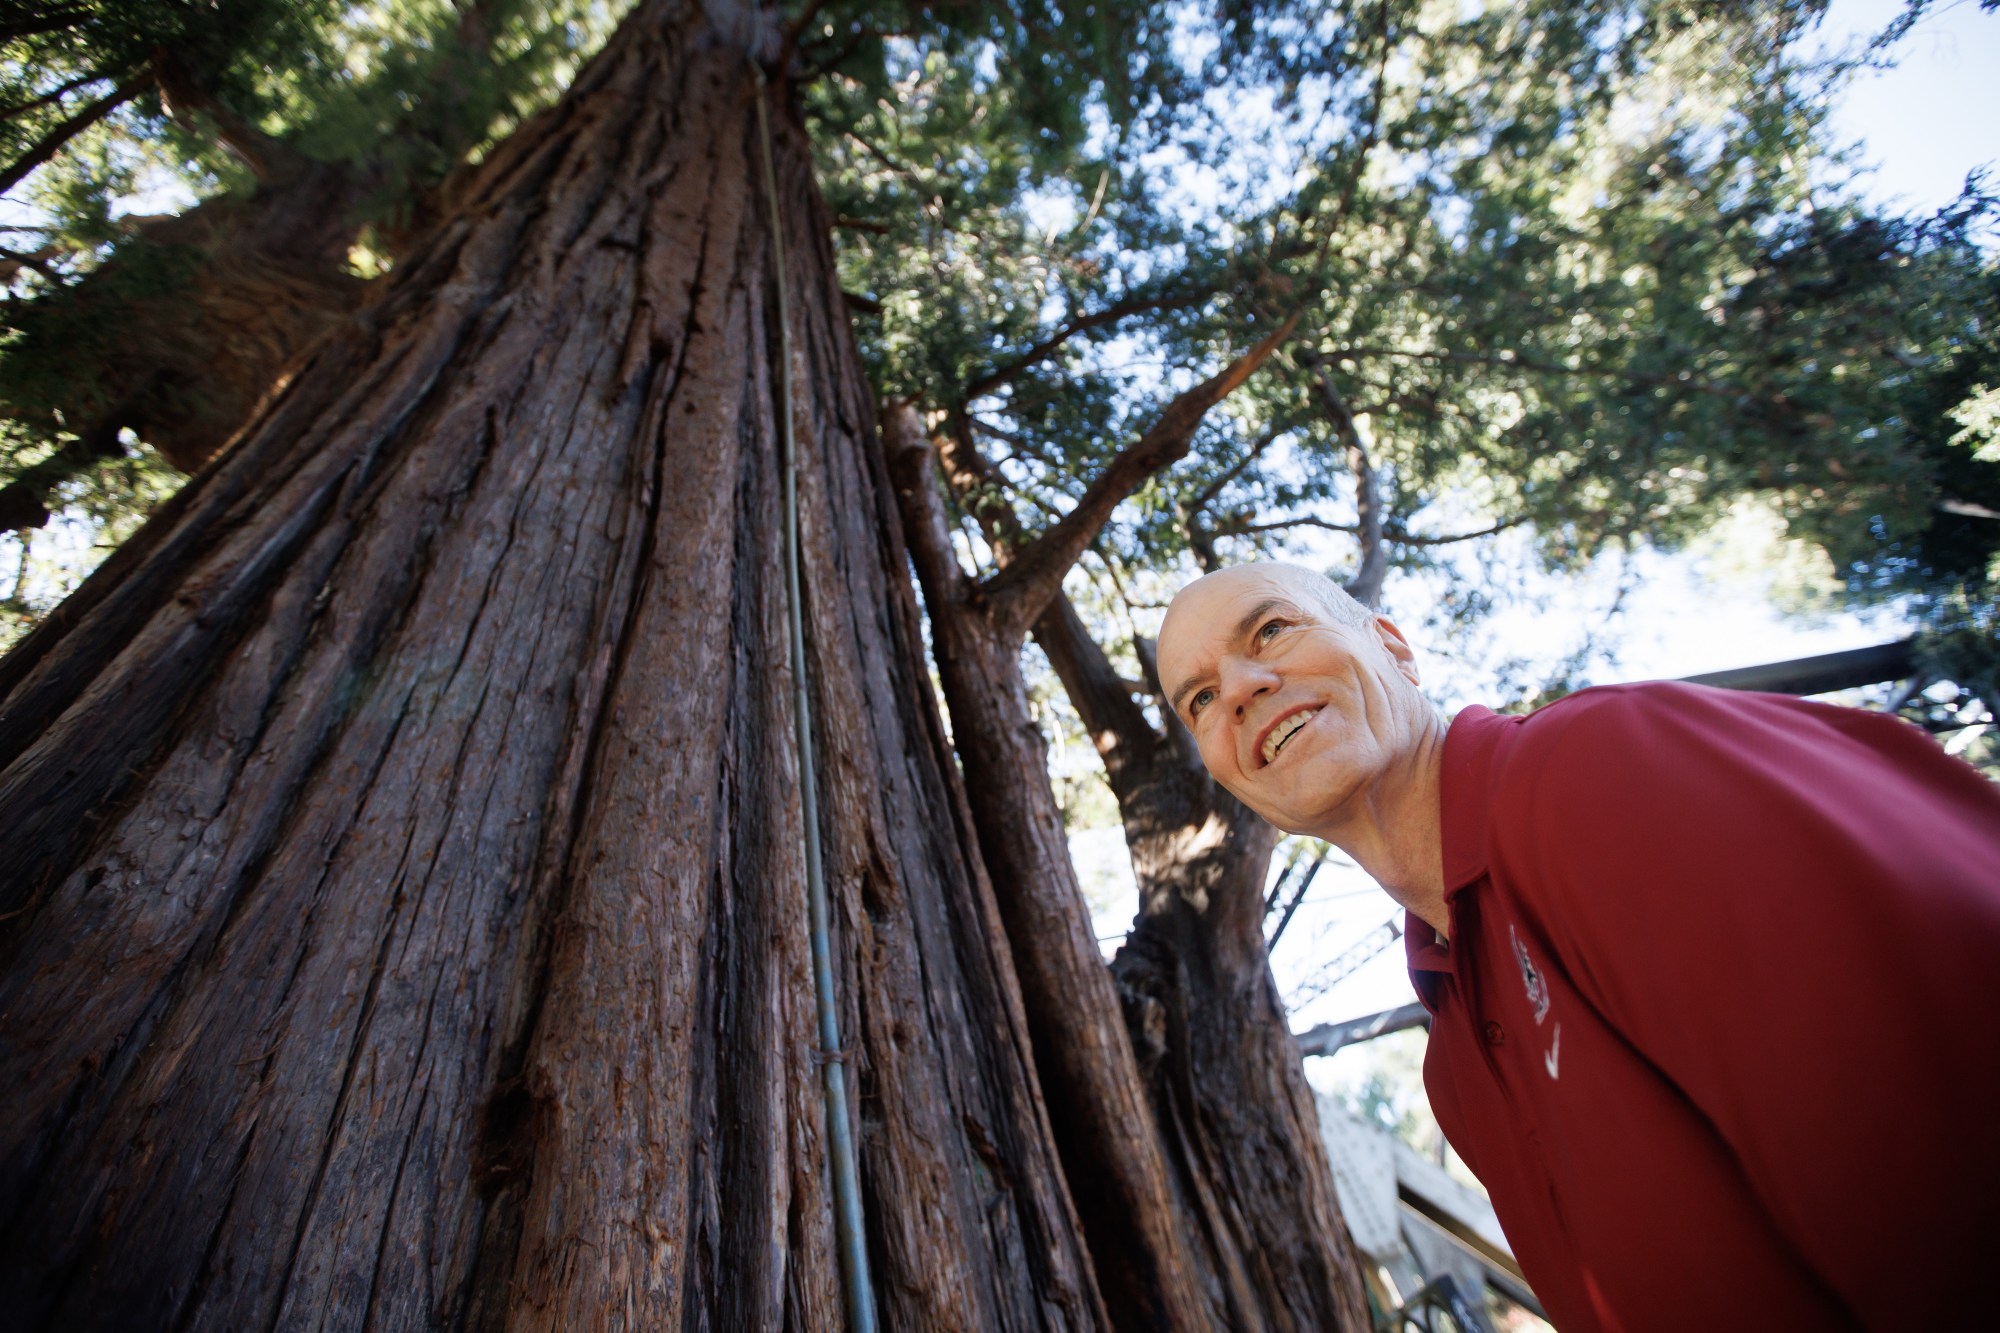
{"x": 1714, "y": 977}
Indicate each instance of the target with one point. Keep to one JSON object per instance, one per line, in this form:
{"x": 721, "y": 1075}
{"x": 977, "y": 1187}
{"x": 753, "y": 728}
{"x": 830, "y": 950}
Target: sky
{"x": 1920, "y": 128}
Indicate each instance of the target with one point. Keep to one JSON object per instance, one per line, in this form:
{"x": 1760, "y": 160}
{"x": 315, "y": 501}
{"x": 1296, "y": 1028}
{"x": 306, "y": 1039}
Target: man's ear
{"x": 1399, "y": 648}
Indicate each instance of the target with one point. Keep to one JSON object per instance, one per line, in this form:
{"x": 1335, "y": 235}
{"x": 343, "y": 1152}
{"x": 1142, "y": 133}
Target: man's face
{"x": 1295, "y": 712}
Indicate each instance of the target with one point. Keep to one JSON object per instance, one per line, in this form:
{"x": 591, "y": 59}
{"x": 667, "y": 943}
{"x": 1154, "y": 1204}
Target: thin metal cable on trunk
{"x": 852, "y": 1236}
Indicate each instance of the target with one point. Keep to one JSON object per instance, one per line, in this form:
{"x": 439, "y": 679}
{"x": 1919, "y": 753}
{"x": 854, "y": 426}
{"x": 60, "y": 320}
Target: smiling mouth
{"x": 1284, "y": 731}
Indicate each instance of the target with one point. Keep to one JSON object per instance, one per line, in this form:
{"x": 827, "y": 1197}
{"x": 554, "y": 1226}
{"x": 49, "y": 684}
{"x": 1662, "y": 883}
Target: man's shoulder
{"x": 1611, "y": 751}
{"x": 1607, "y": 705}
{"x": 1662, "y": 712}
{"x": 1628, "y": 718}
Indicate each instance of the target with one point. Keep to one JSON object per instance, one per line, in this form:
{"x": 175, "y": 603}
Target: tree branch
{"x": 977, "y": 485}
{"x": 55, "y": 94}
{"x": 1023, "y": 588}
{"x": 910, "y": 455}
{"x": 1043, "y": 350}
{"x": 1239, "y": 526}
{"x": 1366, "y": 585}
{"x": 184, "y": 96}
{"x": 1118, "y": 726}
{"x": 842, "y": 222}
{"x": 53, "y": 142}
{"x": 1206, "y": 495}
{"x": 880, "y": 156}
{"x": 13, "y": 261}
{"x": 50, "y": 20}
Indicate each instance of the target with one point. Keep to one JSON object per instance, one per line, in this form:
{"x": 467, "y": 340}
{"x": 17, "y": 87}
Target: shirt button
{"x": 1495, "y": 1034}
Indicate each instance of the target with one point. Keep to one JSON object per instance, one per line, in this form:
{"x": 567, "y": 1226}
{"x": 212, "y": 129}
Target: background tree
{"x": 302, "y": 130}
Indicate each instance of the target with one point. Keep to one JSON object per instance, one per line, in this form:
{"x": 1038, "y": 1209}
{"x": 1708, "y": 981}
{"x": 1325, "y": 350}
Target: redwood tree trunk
{"x": 1237, "y": 1119}
{"x": 403, "y": 917}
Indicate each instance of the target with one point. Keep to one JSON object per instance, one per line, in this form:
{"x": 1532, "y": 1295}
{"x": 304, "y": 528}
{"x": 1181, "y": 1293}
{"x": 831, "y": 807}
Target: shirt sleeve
{"x": 1793, "y": 912}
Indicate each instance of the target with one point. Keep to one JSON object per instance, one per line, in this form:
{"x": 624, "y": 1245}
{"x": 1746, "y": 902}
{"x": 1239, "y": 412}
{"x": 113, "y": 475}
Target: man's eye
{"x": 1269, "y": 630}
{"x": 1201, "y": 698}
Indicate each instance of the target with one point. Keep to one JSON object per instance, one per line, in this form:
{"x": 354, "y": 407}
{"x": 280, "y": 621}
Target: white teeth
{"x": 1283, "y": 732}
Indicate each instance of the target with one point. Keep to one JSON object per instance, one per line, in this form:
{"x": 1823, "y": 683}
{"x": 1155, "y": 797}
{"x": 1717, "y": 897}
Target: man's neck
{"x": 1395, "y": 830}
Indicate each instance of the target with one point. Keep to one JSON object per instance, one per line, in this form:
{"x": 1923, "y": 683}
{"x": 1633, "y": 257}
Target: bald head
{"x": 1312, "y": 590}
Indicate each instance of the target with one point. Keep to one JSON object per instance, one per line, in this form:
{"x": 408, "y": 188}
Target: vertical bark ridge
{"x": 923, "y": 963}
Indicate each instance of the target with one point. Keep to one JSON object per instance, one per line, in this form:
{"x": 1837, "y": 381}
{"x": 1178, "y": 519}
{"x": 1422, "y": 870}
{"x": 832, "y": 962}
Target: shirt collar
{"x": 1466, "y": 792}
{"x": 1427, "y": 956}
{"x": 1465, "y": 800}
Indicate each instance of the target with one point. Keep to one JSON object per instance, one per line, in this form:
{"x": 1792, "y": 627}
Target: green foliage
{"x": 98, "y": 510}
{"x": 1580, "y": 270}
{"x": 234, "y": 102}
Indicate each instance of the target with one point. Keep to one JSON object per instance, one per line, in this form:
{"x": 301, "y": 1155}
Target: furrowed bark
{"x": 405, "y": 926}
{"x": 1224, "y": 1079}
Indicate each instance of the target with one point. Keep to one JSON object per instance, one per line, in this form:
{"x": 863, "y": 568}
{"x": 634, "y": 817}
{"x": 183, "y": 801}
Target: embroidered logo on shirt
{"x": 1538, "y": 989}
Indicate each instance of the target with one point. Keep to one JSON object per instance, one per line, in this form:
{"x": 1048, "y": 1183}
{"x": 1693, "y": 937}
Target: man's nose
{"x": 1243, "y": 680}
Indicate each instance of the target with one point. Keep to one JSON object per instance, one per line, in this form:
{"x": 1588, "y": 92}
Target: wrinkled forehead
{"x": 1206, "y": 611}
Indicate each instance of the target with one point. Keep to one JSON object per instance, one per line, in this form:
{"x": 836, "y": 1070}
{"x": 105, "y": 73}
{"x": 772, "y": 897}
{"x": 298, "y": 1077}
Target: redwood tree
{"x": 403, "y": 925}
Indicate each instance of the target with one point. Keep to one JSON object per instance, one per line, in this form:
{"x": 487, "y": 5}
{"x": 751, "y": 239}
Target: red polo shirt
{"x": 1719, "y": 1024}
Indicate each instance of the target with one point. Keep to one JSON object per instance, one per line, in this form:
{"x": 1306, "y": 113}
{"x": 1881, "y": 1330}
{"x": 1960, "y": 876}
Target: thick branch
{"x": 1366, "y": 585}
{"x": 1023, "y": 588}
{"x": 1043, "y": 350}
{"x": 53, "y": 142}
{"x": 25, "y": 501}
{"x": 184, "y": 95}
{"x": 908, "y": 449}
{"x": 51, "y": 20}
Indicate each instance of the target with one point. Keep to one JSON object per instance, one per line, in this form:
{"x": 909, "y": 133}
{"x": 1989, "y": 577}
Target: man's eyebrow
{"x": 1243, "y": 627}
{"x": 1258, "y": 612}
